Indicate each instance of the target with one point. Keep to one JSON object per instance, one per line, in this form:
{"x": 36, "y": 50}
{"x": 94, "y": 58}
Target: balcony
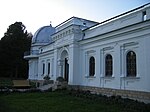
{"x": 31, "y": 54}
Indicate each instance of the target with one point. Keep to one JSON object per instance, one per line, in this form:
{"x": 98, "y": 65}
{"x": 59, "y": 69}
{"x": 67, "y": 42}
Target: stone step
{"x": 46, "y": 87}
{"x": 54, "y": 86}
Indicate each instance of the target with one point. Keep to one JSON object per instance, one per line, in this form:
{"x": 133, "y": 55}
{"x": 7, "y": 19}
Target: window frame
{"x": 131, "y": 67}
{"x": 92, "y": 66}
{"x": 43, "y": 68}
{"x": 48, "y": 68}
{"x": 108, "y": 66}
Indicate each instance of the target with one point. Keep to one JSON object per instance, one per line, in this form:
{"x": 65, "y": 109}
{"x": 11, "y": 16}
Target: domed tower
{"x": 42, "y": 37}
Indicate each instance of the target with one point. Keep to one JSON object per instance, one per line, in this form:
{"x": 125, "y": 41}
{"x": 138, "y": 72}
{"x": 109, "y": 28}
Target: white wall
{"x": 134, "y": 38}
{"x": 116, "y": 37}
{"x": 33, "y": 69}
{"x": 45, "y": 59}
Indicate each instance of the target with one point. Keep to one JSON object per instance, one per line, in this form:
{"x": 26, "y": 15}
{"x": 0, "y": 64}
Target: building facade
{"x": 113, "y": 54}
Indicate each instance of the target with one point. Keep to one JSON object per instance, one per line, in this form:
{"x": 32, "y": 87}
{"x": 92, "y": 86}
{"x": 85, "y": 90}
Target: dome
{"x": 43, "y": 35}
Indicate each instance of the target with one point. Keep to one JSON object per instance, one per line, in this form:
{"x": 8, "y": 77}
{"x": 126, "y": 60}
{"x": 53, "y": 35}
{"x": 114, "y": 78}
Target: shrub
{"x": 33, "y": 84}
{"x": 60, "y": 79}
{"x": 6, "y": 83}
{"x": 46, "y": 77}
{"x": 48, "y": 82}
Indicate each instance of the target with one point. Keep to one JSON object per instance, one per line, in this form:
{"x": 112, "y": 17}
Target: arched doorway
{"x": 65, "y": 65}
{"x": 66, "y": 70}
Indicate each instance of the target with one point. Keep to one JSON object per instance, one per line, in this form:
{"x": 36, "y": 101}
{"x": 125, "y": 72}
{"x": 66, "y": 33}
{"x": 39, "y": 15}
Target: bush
{"x": 33, "y": 84}
{"x": 60, "y": 79}
{"x": 6, "y": 83}
{"x": 46, "y": 77}
{"x": 48, "y": 82}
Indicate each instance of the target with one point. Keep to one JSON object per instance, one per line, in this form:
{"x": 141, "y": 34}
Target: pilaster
{"x": 73, "y": 64}
{"x": 55, "y": 64}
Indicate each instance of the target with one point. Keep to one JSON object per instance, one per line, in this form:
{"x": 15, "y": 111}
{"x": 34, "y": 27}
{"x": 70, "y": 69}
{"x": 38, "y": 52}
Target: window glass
{"x": 131, "y": 63}
{"x": 92, "y": 66}
{"x": 108, "y": 65}
{"x": 43, "y": 68}
{"x": 48, "y": 68}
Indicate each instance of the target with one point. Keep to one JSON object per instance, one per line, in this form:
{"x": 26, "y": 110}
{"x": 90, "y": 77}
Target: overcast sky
{"x": 37, "y": 13}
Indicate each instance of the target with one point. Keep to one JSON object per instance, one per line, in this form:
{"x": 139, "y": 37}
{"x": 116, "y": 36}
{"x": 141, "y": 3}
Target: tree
{"x": 12, "y": 47}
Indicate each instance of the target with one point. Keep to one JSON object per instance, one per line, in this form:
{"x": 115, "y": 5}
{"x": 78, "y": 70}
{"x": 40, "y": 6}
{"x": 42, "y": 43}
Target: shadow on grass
{"x": 4, "y": 106}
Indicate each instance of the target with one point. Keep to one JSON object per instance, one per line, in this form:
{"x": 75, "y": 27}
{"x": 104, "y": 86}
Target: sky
{"x": 37, "y": 13}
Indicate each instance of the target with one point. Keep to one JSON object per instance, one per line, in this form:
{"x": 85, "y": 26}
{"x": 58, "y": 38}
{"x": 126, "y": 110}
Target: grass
{"x": 60, "y": 101}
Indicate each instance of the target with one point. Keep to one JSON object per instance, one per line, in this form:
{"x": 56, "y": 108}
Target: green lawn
{"x": 63, "y": 101}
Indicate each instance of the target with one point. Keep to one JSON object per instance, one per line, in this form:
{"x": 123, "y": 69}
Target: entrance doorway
{"x": 66, "y": 72}
{"x": 64, "y": 58}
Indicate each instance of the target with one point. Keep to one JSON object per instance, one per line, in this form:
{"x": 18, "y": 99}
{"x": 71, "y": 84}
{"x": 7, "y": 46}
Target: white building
{"x": 112, "y": 55}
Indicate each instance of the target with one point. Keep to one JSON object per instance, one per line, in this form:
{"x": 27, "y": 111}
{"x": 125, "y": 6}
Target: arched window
{"x": 108, "y": 65}
{"x": 92, "y": 66}
{"x": 131, "y": 63}
{"x": 48, "y": 68}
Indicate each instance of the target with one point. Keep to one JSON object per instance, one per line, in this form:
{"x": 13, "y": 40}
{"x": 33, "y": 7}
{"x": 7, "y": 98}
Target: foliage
{"x": 33, "y": 84}
{"x": 6, "y": 83}
{"x": 46, "y": 77}
{"x": 48, "y": 82}
{"x": 65, "y": 101}
{"x": 60, "y": 79}
{"x": 12, "y": 47}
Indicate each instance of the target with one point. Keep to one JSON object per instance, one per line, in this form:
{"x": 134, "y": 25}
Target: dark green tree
{"x": 12, "y": 47}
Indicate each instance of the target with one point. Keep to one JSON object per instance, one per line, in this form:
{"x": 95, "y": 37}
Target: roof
{"x": 43, "y": 35}
{"x": 118, "y": 16}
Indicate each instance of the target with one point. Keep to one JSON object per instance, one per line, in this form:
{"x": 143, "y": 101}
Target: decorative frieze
{"x": 62, "y": 34}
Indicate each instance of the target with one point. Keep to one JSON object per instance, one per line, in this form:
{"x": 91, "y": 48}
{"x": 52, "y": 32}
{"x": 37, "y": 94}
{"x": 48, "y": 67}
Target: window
{"x": 92, "y": 66}
{"x": 48, "y": 68}
{"x": 43, "y": 68}
{"x": 131, "y": 63}
{"x": 144, "y": 16}
{"x": 108, "y": 65}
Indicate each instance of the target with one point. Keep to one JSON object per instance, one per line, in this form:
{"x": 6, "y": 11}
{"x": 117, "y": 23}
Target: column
{"x": 117, "y": 66}
{"x": 60, "y": 67}
{"x": 102, "y": 68}
{"x": 74, "y": 64}
{"x": 55, "y": 65}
